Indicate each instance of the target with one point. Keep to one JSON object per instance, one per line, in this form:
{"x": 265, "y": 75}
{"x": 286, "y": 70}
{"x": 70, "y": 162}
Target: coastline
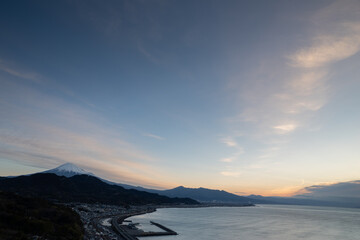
{"x": 155, "y": 207}
{"x": 262, "y": 222}
{"x": 134, "y": 232}
{"x": 94, "y": 215}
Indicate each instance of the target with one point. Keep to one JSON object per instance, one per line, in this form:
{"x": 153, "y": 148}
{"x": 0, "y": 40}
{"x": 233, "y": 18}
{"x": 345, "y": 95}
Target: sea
{"x": 262, "y": 222}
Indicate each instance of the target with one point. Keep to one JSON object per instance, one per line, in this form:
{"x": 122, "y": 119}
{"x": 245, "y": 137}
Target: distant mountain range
{"x": 207, "y": 195}
{"x": 70, "y": 178}
{"x": 199, "y": 194}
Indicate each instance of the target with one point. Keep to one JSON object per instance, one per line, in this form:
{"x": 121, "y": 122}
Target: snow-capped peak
{"x": 69, "y": 167}
{"x": 68, "y": 170}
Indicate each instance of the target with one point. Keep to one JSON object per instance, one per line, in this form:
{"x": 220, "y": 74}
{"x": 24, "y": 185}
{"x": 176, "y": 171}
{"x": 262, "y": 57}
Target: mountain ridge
{"x": 200, "y": 194}
{"x": 82, "y": 188}
{"x": 206, "y": 195}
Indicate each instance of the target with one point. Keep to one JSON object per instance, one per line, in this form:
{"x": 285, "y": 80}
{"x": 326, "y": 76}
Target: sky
{"x": 252, "y": 97}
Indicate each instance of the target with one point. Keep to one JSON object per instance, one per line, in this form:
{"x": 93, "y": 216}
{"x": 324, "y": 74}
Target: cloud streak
{"x": 153, "y": 136}
{"x": 230, "y": 173}
{"x": 231, "y": 142}
{"x": 285, "y": 128}
{"x": 6, "y": 67}
{"x": 326, "y": 50}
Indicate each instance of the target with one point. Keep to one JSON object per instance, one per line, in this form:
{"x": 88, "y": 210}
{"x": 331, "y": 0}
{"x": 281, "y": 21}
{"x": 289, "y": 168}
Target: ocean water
{"x": 263, "y": 222}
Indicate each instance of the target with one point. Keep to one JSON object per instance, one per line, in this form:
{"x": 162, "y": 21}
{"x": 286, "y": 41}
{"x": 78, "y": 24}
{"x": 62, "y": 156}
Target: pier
{"x": 130, "y": 232}
{"x": 168, "y": 231}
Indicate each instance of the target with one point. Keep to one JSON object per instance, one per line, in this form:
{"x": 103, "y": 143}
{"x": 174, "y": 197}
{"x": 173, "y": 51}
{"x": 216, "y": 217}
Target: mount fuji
{"x": 69, "y": 170}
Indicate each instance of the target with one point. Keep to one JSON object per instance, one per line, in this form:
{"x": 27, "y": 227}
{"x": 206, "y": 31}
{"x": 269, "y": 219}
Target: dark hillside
{"x": 82, "y": 188}
{"x": 24, "y": 218}
{"x": 206, "y": 195}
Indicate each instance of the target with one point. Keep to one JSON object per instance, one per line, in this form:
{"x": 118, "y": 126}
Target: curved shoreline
{"x": 132, "y": 234}
{"x": 92, "y": 214}
{"x": 122, "y": 217}
{"x": 154, "y": 208}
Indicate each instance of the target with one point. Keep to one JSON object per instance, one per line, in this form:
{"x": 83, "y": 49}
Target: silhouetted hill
{"x": 82, "y": 188}
{"x": 206, "y": 195}
{"x": 26, "y": 218}
{"x": 70, "y": 170}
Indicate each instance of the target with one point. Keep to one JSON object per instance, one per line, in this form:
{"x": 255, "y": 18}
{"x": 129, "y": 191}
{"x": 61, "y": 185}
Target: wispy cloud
{"x": 307, "y": 91}
{"x": 153, "y": 136}
{"x": 8, "y": 68}
{"x": 235, "y": 156}
{"x": 230, "y": 173}
{"x": 229, "y": 141}
{"x": 328, "y": 49}
{"x": 268, "y": 153}
{"x": 147, "y": 54}
{"x": 286, "y": 128}
{"x": 227, "y": 160}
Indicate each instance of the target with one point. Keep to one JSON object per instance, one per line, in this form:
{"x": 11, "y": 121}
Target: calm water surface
{"x": 264, "y": 222}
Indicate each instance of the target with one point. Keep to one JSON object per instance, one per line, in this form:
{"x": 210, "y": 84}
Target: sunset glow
{"x": 251, "y": 98}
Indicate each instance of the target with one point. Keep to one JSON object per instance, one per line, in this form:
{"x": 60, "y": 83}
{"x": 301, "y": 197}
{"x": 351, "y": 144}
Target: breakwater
{"x": 131, "y": 232}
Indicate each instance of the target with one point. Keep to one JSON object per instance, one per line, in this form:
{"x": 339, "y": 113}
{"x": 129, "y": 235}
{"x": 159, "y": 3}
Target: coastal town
{"x": 107, "y": 222}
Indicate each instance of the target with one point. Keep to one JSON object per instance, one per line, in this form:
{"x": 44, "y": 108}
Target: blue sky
{"x": 251, "y": 97}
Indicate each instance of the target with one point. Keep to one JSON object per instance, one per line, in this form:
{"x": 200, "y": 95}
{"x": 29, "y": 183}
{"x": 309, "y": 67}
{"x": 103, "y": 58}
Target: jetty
{"x": 168, "y": 231}
{"x": 131, "y": 232}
